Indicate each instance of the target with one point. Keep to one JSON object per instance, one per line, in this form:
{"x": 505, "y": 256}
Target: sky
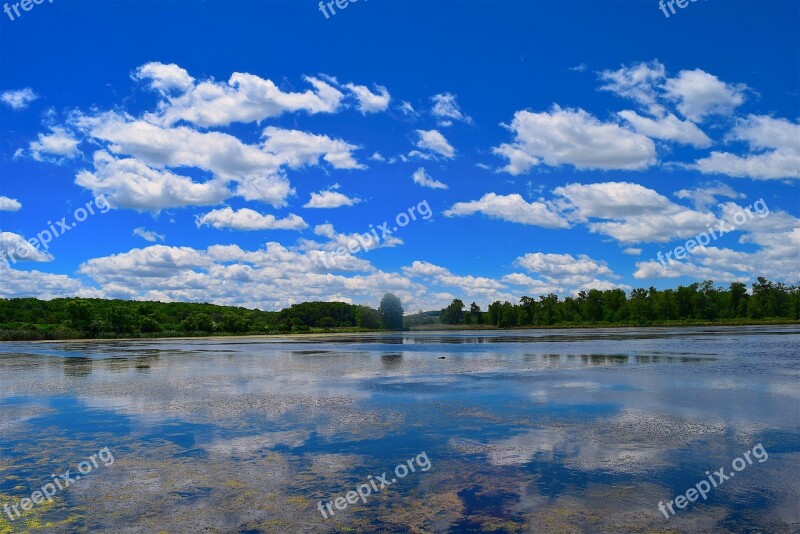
{"x": 262, "y": 154}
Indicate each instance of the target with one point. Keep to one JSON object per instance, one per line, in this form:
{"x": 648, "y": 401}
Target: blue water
{"x": 525, "y": 431}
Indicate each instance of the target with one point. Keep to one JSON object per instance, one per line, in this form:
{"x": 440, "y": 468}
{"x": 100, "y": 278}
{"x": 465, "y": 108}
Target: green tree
{"x": 368, "y": 318}
{"x": 391, "y": 312}
{"x": 454, "y": 313}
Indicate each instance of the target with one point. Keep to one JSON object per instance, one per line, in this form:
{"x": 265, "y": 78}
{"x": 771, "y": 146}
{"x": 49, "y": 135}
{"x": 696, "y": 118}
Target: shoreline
{"x": 438, "y": 328}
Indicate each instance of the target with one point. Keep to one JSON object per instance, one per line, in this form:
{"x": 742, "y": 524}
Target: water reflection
{"x": 545, "y": 431}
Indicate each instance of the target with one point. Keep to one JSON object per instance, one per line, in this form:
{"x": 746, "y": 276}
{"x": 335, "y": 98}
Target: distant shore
{"x": 322, "y": 333}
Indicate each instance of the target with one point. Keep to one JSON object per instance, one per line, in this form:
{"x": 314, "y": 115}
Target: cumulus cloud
{"x": 148, "y": 235}
{"x": 59, "y": 142}
{"x": 433, "y": 141}
{"x": 695, "y": 93}
{"x": 128, "y": 183}
{"x": 330, "y": 198}
{"x": 14, "y": 248}
{"x": 699, "y": 94}
{"x": 18, "y": 99}
{"x": 774, "y": 150}
{"x": 668, "y": 128}
{"x": 555, "y": 266}
{"x": 257, "y": 170}
{"x": 164, "y": 78}
{"x": 639, "y": 82}
{"x": 573, "y": 137}
{"x": 338, "y": 240}
{"x": 369, "y": 102}
{"x": 244, "y": 98}
{"x": 561, "y": 274}
{"x": 446, "y": 110}
{"x": 775, "y": 235}
{"x": 511, "y": 208}
{"x": 422, "y": 178}
{"x": 9, "y": 204}
{"x": 247, "y": 219}
{"x": 486, "y": 288}
{"x": 706, "y": 194}
{"x": 630, "y": 213}
{"x": 46, "y": 286}
{"x": 270, "y": 278}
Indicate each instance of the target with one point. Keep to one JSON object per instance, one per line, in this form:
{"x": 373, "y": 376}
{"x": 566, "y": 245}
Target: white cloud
{"x": 330, "y": 199}
{"x": 58, "y": 143}
{"x": 128, "y": 183}
{"x": 244, "y": 98}
{"x": 573, "y": 137}
{"x": 706, "y": 194}
{"x": 473, "y": 286}
{"x": 14, "y": 248}
{"x": 369, "y": 102}
{"x": 632, "y": 212}
{"x": 631, "y": 251}
{"x": 164, "y": 78}
{"x": 258, "y": 170}
{"x": 247, "y": 219}
{"x": 434, "y": 141}
{"x": 46, "y": 286}
{"x": 148, "y": 235}
{"x": 270, "y": 278}
{"x": 668, "y": 128}
{"x": 699, "y": 94}
{"x": 422, "y": 178}
{"x": 532, "y": 286}
{"x": 376, "y": 156}
{"x": 562, "y": 274}
{"x": 519, "y": 161}
{"x": 18, "y": 99}
{"x": 562, "y": 265}
{"x": 774, "y": 233}
{"x": 296, "y": 149}
{"x": 9, "y": 204}
{"x": 337, "y": 240}
{"x": 696, "y": 93}
{"x": 638, "y": 83}
{"x": 407, "y": 109}
{"x": 446, "y": 110}
{"x": 511, "y": 208}
{"x": 774, "y": 150}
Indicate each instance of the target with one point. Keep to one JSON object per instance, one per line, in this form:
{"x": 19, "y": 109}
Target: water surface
{"x": 525, "y": 431}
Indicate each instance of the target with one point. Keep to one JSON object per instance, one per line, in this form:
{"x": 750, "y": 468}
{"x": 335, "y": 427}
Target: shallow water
{"x": 523, "y": 431}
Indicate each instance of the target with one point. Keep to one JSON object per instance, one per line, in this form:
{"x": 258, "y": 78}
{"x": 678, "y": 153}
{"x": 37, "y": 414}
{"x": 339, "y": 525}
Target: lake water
{"x": 519, "y": 431}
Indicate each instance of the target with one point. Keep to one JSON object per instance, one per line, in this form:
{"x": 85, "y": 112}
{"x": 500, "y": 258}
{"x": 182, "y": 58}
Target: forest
{"x": 78, "y": 318}
{"x": 698, "y": 303}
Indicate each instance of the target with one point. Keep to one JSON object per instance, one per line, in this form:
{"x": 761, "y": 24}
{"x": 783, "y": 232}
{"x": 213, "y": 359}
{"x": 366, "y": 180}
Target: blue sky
{"x": 227, "y": 148}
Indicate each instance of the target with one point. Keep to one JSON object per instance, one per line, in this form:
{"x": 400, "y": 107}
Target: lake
{"x": 511, "y": 431}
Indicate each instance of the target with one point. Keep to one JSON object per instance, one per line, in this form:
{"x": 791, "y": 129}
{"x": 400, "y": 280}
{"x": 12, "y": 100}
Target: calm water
{"x": 542, "y": 431}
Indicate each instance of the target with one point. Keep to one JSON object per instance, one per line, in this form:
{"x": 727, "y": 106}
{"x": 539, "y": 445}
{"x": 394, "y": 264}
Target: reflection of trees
{"x": 77, "y": 366}
{"x": 391, "y": 360}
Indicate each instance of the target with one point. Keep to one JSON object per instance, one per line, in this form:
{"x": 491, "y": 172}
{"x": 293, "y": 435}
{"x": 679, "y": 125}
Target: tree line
{"x": 77, "y": 318}
{"x": 74, "y": 318}
{"x": 698, "y": 302}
